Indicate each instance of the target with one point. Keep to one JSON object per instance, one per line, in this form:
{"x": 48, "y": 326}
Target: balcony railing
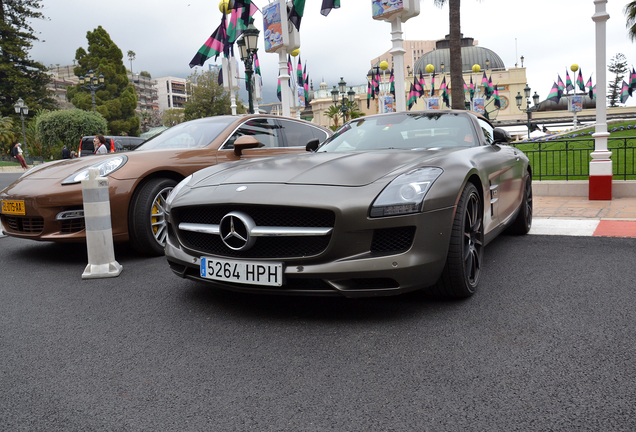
{"x": 569, "y": 159}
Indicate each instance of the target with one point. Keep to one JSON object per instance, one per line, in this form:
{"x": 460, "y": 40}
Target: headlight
{"x": 175, "y": 190}
{"x": 405, "y": 194}
{"x": 105, "y": 168}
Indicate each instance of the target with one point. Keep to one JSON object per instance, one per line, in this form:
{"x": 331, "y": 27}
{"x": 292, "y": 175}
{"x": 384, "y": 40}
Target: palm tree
{"x": 131, "y": 57}
{"x": 630, "y": 13}
{"x": 333, "y": 112}
{"x": 456, "y": 73}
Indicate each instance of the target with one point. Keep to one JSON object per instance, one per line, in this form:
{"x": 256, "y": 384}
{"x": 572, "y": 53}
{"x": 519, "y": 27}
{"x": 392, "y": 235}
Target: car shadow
{"x": 312, "y": 308}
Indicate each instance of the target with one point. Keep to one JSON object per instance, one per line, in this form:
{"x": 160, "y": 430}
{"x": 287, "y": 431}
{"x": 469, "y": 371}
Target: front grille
{"x": 70, "y": 226}
{"x": 264, "y": 247}
{"x": 392, "y": 240}
{"x": 27, "y": 225}
{"x": 263, "y": 216}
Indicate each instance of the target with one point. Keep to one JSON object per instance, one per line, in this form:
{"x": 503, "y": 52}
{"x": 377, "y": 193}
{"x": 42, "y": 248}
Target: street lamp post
{"x": 22, "y": 109}
{"x": 92, "y": 83}
{"x": 346, "y": 95}
{"x": 528, "y": 108}
{"x": 248, "y": 46}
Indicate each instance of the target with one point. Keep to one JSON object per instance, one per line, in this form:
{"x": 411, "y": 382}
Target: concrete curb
{"x": 580, "y": 188}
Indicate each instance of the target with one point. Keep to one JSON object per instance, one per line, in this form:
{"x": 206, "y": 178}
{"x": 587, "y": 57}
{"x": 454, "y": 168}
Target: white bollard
{"x": 99, "y": 232}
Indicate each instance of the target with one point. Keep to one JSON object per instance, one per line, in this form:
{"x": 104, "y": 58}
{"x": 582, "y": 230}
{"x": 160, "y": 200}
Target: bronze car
{"x": 46, "y": 202}
{"x": 390, "y": 203}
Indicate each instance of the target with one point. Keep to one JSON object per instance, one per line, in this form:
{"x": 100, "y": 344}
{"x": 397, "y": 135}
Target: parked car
{"x": 46, "y": 202}
{"x": 114, "y": 144}
{"x": 390, "y": 203}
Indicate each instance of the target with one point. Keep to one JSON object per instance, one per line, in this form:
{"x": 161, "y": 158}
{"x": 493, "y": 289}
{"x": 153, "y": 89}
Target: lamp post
{"x": 22, "y": 109}
{"x": 346, "y": 95}
{"x": 248, "y": 46}
{"x": 522, "y": 58}
{"x": 92, "y": 83}
{"x": 528, "y": 109}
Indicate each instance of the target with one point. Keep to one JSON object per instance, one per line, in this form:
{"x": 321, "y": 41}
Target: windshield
{"x": 403, "y": 131}
{"x": 192, "y": 134}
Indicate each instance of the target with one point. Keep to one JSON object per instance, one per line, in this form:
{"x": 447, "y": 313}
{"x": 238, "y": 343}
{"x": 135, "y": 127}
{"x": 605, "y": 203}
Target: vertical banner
{"x": 432, "y": 103}
{"x": 575, "y": 103}
{"x": 273, "y": 27}
{"x": 478, "y": 105}
{"x": 387, "y": 104}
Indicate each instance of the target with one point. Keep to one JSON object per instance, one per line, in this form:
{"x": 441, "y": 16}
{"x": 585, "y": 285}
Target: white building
{"x": 171, "y": 92}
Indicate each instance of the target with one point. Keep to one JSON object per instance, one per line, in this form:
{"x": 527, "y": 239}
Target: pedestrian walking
{"x": 65, "y": 153}
{"x": 16, "y": 151}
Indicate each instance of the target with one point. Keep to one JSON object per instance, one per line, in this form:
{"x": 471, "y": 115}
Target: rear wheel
{"x": 463, "y": 263}
{"x": 147, "y": 221}
{"x": 523, "y": 222}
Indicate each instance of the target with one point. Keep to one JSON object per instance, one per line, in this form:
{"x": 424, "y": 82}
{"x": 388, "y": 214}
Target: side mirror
{"x": 245, "y": 142}
{"x": 312, "y": 145}
{"x": 501, "y": 136}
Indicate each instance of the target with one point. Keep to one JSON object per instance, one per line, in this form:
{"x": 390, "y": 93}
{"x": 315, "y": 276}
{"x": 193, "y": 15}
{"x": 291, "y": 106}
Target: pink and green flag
{"x": 624, "y": 92}
{"x": 579, "y": 82}
{"x": 555, "y": 94}
{"x": 568, "y": 82}
{"x": 413, "y": 95}
{"x": 632, "y": 81}
{"x": 327, "y": 5}
{"x": 392, "y": 83}
{"x": 444, "y": 91}
{"x": 212, "y": 47}
{"x": 472, "y": 88}
{"x": 588, "y": 88}
{"x": 433, "y": 84}
{"x": 497, "y": 98}
{"x": 296, "y": 13}
{"x": 560, "y": 85}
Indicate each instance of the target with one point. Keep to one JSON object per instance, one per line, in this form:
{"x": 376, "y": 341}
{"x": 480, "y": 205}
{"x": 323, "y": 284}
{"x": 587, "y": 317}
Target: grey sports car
{"x": 389, "y": 204}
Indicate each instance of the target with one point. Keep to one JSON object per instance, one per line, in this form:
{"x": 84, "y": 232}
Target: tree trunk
{"x": 456, "y": 73}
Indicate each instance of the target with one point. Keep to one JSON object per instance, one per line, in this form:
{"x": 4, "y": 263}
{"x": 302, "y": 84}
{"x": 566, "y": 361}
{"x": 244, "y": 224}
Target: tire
{"x": 465, "y": 253}
{"x": 523, "y": 221}
{"x": 147, "y": 221}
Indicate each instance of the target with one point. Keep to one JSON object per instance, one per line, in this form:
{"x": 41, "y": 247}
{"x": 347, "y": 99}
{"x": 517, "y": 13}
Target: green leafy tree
{"x": 131, "y": 57}
{"x": 206, "y": 98}
{"x": 171, "y": 117}
{"x": 456, "y": 73}
{"x": 117, "y": 100}
{"x": 617, "y": 66}
{"x": 67, "y": 127}
{"x": 7, "y": 136}
{"x": 20, "y": 76}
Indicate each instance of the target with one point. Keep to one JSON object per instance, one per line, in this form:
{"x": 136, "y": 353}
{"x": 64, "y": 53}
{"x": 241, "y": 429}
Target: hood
{"x": 328, "y": 169}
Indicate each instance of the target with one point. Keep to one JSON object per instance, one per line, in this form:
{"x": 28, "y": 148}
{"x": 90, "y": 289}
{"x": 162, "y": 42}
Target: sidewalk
{"x": 555, "y": 215}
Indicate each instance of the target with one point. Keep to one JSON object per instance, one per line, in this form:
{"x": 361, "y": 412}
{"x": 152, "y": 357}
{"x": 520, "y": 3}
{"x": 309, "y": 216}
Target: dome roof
{"x": 471, "y": 55}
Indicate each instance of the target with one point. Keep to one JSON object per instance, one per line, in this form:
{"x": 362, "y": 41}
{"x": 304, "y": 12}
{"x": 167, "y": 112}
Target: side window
{"x": 265, "y": 130}
{"x": 488, "y": 131}
{"x": 299, "y": 134}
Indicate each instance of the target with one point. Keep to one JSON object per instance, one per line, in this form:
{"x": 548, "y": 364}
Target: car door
{"x": 505, "y": 173}
{"x": 268, "y": 131}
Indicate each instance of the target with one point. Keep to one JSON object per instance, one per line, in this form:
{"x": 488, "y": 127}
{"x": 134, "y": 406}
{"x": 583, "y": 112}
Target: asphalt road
{"x": 548, "y": 343}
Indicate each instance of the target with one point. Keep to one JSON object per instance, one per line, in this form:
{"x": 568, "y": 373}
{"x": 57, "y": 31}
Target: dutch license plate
{"x": 247, "y": 272}
{"x": 13, "y": 207}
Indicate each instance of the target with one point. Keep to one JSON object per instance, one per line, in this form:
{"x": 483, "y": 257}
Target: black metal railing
{"x": 569, "y": 159}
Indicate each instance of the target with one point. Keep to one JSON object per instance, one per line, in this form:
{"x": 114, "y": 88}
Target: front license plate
{"x": 13, "y": 207}
{"x": 247, "y": 272}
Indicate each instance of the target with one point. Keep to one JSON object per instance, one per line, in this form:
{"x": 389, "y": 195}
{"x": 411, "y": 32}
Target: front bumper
{"x": 348, "y": 266}
{"x": 43, "y": 202}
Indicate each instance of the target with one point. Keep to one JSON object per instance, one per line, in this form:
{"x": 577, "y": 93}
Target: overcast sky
{"x": 166, "y": 34}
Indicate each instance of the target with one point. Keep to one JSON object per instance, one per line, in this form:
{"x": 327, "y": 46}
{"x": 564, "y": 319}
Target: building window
{"x": 168, "y": 101}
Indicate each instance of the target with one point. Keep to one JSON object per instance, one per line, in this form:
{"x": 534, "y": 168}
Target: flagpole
{"x": 398, "y": 58}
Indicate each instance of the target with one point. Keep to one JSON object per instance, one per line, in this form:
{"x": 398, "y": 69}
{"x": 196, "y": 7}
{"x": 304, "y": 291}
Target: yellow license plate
{"x": 13, "y": 207}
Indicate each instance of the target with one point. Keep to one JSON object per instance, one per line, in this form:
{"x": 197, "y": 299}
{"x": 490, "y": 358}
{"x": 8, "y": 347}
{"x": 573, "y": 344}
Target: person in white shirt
{"x": 99, "y": 142}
